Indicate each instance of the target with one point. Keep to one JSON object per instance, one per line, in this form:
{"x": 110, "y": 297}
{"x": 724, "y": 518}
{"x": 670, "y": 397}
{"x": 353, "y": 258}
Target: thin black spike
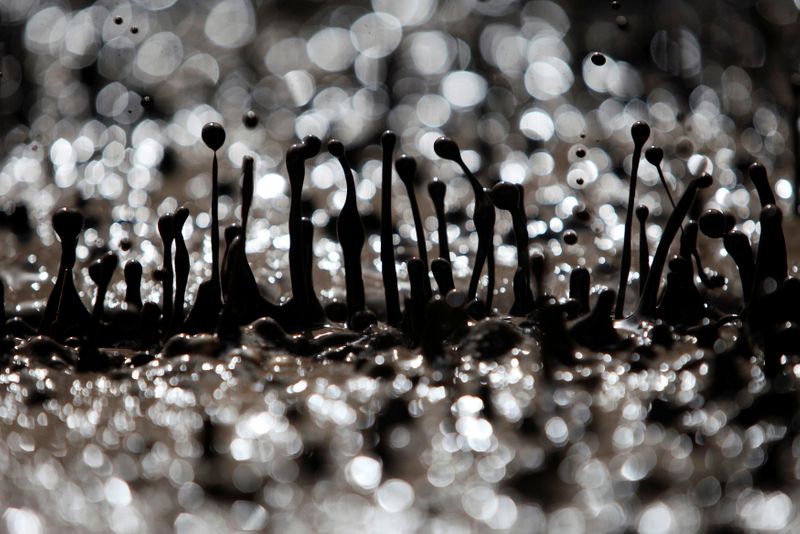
{"x": 388, "y": 269}
{"x": 407, "y": 169}
{"x": 437, "y": 190}
{"x": 483, "y": 217}
{"x": 640, "y": 131}
{"x": 758, "y": 175}
{"x": 647, "y": 302}
{"x": 166, "y": 231}
{"x": 181, "y": 268}
{"x": 644, "y": 250}
{"x": 133, "y": 284}
{"x": 350, "y": 231}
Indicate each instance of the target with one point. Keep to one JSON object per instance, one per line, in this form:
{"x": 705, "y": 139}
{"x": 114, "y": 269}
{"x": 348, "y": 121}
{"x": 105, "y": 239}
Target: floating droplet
{"x": 598, "y": 59}
{"x": 250, "y": 119}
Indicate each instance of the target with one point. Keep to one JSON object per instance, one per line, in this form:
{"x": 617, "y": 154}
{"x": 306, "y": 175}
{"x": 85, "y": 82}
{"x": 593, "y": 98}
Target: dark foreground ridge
{"x": 670, "y": 306}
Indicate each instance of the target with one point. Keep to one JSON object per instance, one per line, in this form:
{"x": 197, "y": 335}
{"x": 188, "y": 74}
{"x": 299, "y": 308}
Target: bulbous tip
{"x": 247, "y": 163}
{"x": 605, "y": 300}
{"x": 335, "y": 148}
{"x": 446, "y": 148}
{"x": 640, "y": 131}
{"x": 406, "y": 167}
{"x": 311, "y": 146}
{"x": 388, "y": 139}
{"x": 133, "y": 269}
{"x": 713, "y": 224}
{"x": 436, "y": 189}
{"x": 642, "y": 212}
{"x": 67, "y": 223}
{"x": 704, "y": 181}
{"x": 213, "y": 135}
{"x": 250, "y": 119}
{"x": 757, "y": 172}
{"x": 505, "y": 195}
{"x": 654, "y": 155}
{"x": 109, "y": 261}
{"x": 680, "y": 266}
{"x": 165, "y": 226}
{"x": 181, "y": 214}
{"x": 231, "y": 232}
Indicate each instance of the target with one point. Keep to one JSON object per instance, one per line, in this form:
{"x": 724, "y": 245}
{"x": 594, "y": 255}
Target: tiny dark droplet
{"x": 622, "y": 21}
{"x": 570, "y": 237}
{"x": 615, "y": 4}
{"x": 580, "y": 152}
{"x": 134, "y": 29}
{"x": 579, "y": 181}
{"x": 146, "y": 101}
{"x": 117, "y": 20}
{"x": 250, "y": 119}
{"x": 598, "y": 59}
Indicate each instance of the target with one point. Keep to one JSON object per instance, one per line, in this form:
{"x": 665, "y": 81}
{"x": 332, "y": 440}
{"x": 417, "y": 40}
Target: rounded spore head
{"x": 133, "y": 270}
{"x": 406, "y": 167}
{"x": 757, "y": 172}
{"x": 505, "y": 196}
{"x": 311, "y": 146}
{"x": 388, "y": 140}
{"x": 713, "y": 224}
{"x": 247, "y": 163}
{"x": 180, "y": 217}
{"x": 232, "y": 232}
{"x": 640, "y": 132}
{"x": 335, "y": 148}
{"x": 165, "y": 227}
{"x": 642, "y": 213}
{"x": 437, "y": 189}
{"x": 446, "y": 148}
{"x": 680, "y": 266}
{"x": 598, "y": 59}
{"x": 67, "y": 223}
{"x": 213, "y": 135}
{"x": 250, "y": 119}
{"x": 654, "y": 155}
{"x": 570, "y": 237}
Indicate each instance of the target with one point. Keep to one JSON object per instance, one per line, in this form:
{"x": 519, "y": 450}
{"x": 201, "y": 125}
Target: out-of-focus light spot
{"x": 464, "y": 89}
{"x": 656, "y": 519}
{"x": 536, "y": 124}
{"x": 376, "y": 35}
{"x": 556, "y": 429}
{"x": 301, "y": 86}
{"x": 433, "y": 110}
{"x": 430, "y": 52}
{"x": 548, "y": 78}
{"x": 699, "y": 164}
{"x": 364, "y": 472}
{"x": 45, "y": 30}
{"x": 159, "y": 56}
{"x": 231, "y": 23}
{"x": 395, "y": 495}
{"x": 22, "y": 521}
{"x": 270, "y": 186}
{"x": 331, "y": 50}
{"x": 408, "y": 12}
{"x": 783, "y": 188}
